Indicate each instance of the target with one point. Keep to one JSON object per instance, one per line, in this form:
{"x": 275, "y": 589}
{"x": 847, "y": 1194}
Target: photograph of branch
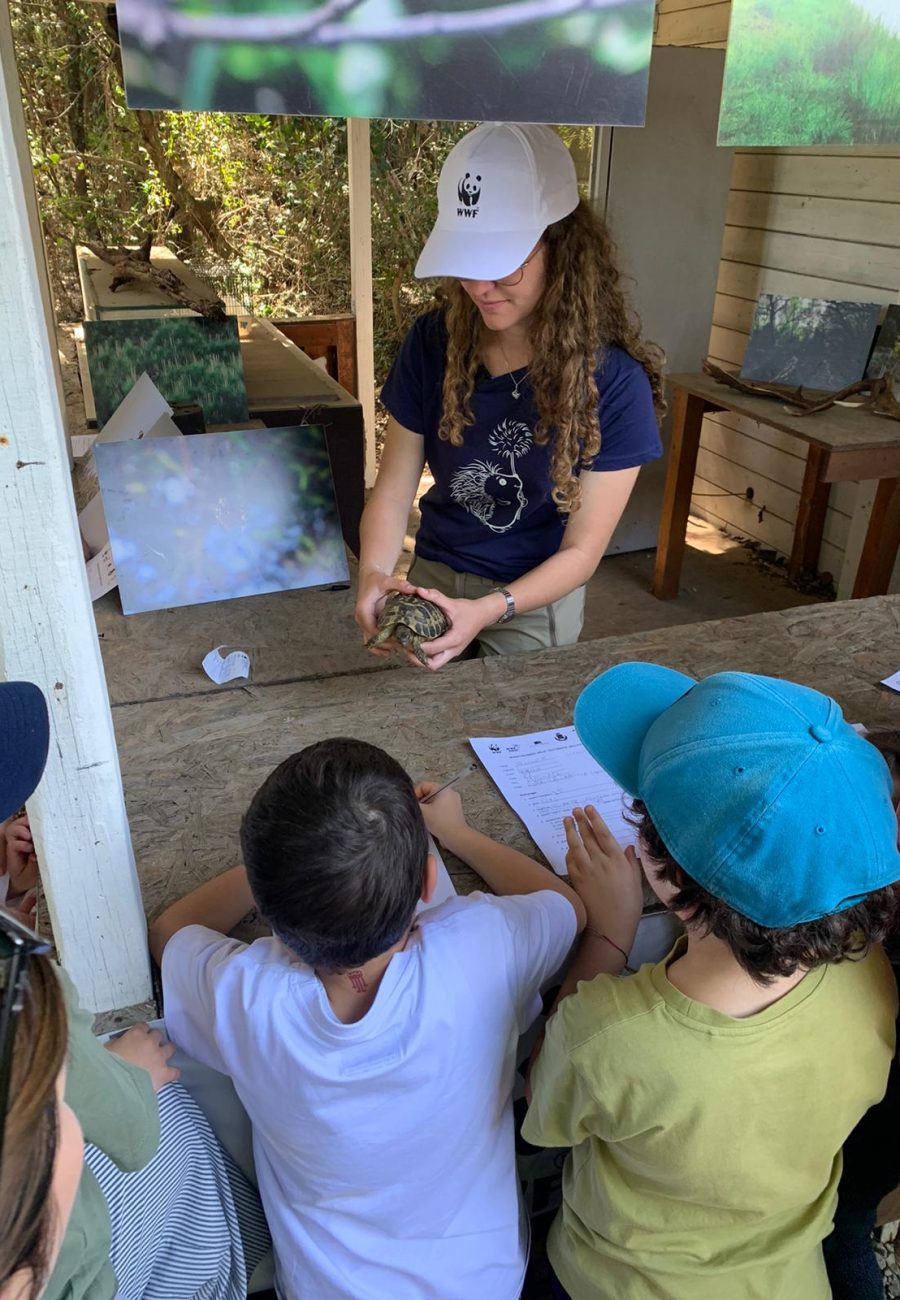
{"x": 189, "y": 359}
{"x": 558, "y": 61}
{"x": 885, "y": 358}
{"x": 220, "y": 515}
{"x": 809, "y": 342}
{"x": 805, "y": 72}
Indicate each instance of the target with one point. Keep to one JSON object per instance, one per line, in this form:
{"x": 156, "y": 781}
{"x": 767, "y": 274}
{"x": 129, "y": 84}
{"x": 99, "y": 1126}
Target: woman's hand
{"x": 140, "y": 1045}
{"x": 374, "y": 589}
{"x": 606, "y": 877}
{"x": 444, "y": 815}
{"x": 467, "y": 619}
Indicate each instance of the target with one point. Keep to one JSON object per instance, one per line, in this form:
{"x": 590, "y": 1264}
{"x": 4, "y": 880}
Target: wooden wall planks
{"x": 692, "y": 22}
{"x": 816, "y": 223}
{"x": 819, "y": 223}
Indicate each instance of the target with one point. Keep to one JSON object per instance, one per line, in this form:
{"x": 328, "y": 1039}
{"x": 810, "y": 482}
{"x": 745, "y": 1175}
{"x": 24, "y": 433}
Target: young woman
{"x": 529, "y": 393}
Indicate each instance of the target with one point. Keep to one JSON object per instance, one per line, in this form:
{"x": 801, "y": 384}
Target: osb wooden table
{"x": 844, "y": 445}
{"x": 190, "y": 765}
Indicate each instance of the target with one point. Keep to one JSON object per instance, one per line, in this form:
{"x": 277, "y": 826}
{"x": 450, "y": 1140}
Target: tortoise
{"x": 410, "y": 620}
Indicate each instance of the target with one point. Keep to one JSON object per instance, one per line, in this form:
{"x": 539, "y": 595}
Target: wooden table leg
{"x": 687, "y": 420}
{"x": 811, "y": 514}
{"x": 879, "y": 553}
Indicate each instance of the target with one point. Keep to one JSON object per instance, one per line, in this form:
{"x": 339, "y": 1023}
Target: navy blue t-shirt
{"x": 490, "y": 511}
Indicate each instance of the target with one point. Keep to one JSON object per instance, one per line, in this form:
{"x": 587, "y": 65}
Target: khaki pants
{"x": 539, "y": 629}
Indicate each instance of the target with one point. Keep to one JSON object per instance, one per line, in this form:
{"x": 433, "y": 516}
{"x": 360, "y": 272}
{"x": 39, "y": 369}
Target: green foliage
{"x": 271, "y": 189}
{"x": 803, "y": 72}
{"x": 189, "y": 360}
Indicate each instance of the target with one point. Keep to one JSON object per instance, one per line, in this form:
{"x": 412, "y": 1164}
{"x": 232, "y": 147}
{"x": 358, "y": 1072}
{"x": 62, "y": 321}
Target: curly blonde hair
{"x": 582, "y": 311}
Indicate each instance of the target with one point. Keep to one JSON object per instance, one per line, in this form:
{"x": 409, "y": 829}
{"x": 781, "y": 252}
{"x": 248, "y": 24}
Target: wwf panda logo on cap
{"x": 469, "y": 190}
{"x": 500, "y": 187}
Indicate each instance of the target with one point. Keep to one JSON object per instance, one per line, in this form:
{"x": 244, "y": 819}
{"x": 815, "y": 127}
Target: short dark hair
{"x": 335, "y": 849}
{"x": 765, "y": 953}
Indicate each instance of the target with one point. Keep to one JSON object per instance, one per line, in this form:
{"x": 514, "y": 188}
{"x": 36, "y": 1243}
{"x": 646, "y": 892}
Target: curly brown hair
{"x": 767, "y": 954}
{"x": 582, "y": 311}
{"x": 27, "y": 1207}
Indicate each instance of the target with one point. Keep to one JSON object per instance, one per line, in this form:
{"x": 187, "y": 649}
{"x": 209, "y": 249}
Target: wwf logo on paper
{"x": 469, "y": 192}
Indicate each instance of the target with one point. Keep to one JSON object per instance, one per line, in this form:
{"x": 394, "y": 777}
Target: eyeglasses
{"x": 509, "y": 281}
{"x": 17, "y": 944}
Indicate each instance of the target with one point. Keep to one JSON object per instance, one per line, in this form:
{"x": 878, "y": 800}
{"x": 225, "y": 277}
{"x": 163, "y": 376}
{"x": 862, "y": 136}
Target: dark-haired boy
{"x": 374, "y": 1052}
{"x": 707, "y": 1098}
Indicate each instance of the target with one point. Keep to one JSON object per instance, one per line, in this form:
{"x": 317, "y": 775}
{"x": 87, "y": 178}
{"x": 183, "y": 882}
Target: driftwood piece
{"x": 134, "y": 264}
{"x": 881, "y": 399}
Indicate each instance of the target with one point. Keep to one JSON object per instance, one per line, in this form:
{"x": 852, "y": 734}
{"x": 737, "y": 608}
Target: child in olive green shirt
{"x": 707, "y": 1098}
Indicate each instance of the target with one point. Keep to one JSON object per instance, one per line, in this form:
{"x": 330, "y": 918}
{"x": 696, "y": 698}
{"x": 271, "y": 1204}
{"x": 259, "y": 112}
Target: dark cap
{"x": 24, "y": 741}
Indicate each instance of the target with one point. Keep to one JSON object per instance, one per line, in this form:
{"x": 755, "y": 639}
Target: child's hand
{"x": 143, "y": 1046}
{"x": 21, "y": 863}
{"x": 606, "y": 877}
{"x": 443, "y": 815}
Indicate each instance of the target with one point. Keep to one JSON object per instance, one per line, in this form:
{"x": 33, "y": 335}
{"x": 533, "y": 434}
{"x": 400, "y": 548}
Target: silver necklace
{"x": 515, "y": 382}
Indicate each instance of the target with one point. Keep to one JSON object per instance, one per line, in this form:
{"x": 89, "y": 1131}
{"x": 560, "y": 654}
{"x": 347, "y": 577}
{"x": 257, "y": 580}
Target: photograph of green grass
{"x": 189, "y": 359}
{"x": 810, "y": 342}
{"x": 806, "y": 72}
{"x": 558, "y": 61}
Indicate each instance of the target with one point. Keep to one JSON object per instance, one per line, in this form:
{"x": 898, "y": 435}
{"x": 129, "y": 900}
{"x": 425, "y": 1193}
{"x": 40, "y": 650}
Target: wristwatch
{"x": 510, "y": 611}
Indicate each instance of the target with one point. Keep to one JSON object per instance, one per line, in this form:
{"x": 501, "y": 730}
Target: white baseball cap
{"x": 502, "y": 185}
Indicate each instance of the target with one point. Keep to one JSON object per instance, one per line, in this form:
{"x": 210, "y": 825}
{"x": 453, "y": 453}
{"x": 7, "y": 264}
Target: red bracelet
{"x": 598, "y": 934}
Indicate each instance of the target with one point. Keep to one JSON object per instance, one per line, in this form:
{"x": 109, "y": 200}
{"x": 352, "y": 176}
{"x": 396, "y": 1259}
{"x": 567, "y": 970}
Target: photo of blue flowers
{"x": 220, "y": 515}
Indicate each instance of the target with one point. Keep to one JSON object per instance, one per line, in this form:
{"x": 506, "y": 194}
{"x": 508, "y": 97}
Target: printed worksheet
{"x": 546, "y": 774}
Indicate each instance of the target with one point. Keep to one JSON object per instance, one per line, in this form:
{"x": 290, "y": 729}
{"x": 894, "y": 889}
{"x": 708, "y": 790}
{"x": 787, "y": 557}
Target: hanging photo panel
{"x": 220, "y": 515}
{"x": 554, "y": 61}
{"x": 188, "y": 358}
{"x": 810, "y": 342}
{"x": 806, "y": 72}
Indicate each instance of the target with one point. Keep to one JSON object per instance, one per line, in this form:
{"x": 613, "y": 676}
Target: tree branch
{"x": 132, "y": 264}
{"x": 881, "y": 400}
{"x": 151, "y": 23}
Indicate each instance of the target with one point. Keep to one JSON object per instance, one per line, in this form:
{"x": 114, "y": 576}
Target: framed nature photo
{"x": 215, "y": 516}
{"x": 564, "y": 61}
{"x": 885, "y": 359}
{"x": 810, "y": 342}
{"x": 807, "y": 72}
{"x": 189, "y": 359}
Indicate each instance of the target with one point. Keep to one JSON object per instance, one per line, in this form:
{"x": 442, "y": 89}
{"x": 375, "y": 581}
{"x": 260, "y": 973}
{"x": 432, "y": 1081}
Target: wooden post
{"x": 811, "y": 513}
{"x": 47, "y": 632}
{"x": 359, "y": 165}
{"x": 879, "y": 552}
{"x": 687, "y": 422}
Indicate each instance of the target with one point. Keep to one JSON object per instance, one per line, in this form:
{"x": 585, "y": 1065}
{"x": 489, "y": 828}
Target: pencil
{"x": 460, "y": 776}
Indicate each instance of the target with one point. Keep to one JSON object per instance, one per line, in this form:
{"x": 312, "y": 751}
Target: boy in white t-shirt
{"x": 373, "y": 1050}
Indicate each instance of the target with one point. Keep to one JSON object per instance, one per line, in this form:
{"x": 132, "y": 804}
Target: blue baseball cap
{"x": 24, "y": 741}
{"x": 758, "y": 787}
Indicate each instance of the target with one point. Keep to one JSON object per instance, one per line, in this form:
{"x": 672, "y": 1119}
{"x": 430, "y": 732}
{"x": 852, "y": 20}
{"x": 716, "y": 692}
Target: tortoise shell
{"x": 410, "y": 620}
